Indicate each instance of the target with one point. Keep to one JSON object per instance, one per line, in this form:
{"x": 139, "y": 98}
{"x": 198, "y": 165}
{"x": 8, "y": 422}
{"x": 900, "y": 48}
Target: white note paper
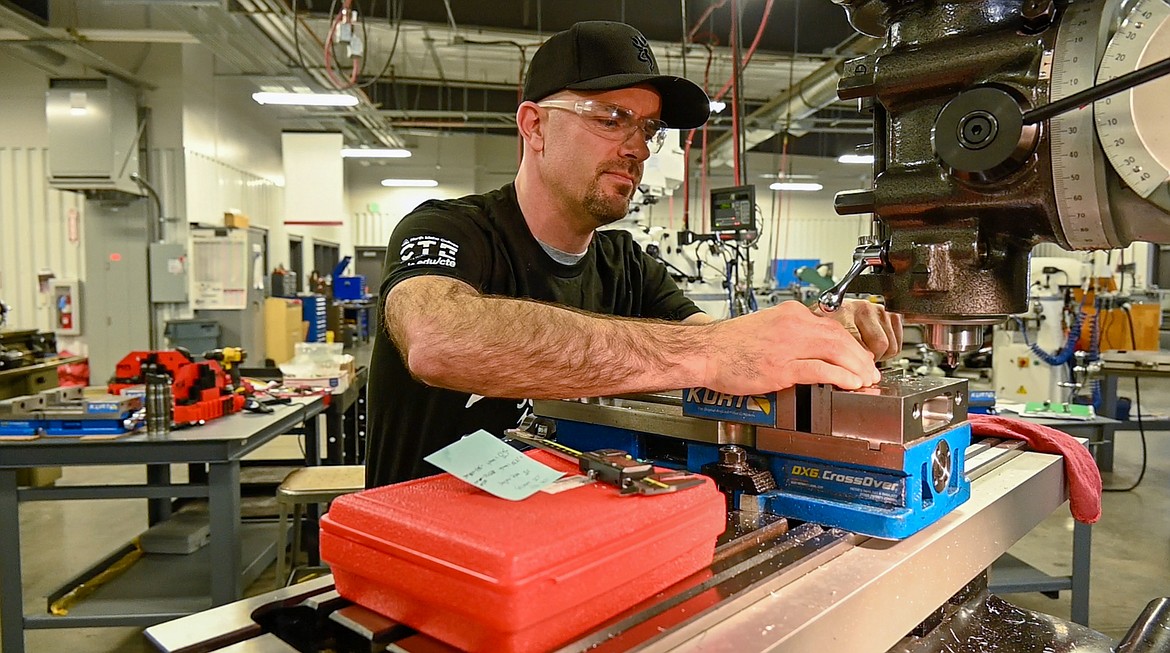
{"x": 484, "y": 461}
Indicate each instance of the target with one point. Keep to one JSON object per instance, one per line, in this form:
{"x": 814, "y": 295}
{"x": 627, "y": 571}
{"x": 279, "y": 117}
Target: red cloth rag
{"x": 1084, "y": 479}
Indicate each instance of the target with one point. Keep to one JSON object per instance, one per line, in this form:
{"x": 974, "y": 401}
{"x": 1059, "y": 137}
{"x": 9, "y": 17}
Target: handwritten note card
{"x": 487, "y": 463}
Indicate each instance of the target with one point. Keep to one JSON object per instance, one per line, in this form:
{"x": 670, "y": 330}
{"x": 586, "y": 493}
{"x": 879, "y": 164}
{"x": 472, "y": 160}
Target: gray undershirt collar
{"x": 561, "y": 256}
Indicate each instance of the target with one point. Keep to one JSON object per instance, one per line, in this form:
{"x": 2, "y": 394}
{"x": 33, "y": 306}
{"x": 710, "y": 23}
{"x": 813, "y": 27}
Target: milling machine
{"x": 999, "y": 125}
{"x": 981, "y": 152}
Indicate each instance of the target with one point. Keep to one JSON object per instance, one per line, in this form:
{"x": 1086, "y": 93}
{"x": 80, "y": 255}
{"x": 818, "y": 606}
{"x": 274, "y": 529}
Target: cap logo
{"x": 643, "y": 47}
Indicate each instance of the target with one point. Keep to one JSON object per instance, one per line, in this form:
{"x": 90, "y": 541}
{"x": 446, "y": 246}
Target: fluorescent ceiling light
{"x": 410, "y": 183}
{"x": 796, "y": 185}
{"x": 374, "y": 153}
{"x": 855, "y": 158}
{"x": 717, "y": 106}
{"x": 306, "y": 99}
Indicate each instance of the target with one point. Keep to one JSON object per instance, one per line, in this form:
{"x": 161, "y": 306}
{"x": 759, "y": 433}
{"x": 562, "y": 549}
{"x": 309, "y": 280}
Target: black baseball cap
{"x": 599, "y": 55}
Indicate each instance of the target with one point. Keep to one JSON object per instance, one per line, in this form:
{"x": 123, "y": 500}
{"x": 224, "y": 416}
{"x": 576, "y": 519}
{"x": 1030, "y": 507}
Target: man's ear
{"x": 531, "y": 123}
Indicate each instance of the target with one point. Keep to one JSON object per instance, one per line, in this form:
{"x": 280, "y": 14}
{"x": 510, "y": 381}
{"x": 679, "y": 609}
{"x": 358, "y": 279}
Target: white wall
{"x": 463, "y": 164}
{"x": 40, "y": 228}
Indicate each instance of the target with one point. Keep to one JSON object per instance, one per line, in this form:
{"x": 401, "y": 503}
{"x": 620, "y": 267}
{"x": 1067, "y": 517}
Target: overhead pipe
{"x": 808, "y": 96}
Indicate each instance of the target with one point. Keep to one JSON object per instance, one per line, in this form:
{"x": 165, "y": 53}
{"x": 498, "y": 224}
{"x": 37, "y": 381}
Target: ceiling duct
{"x": 46, "y": 48}
{"x": 803, "y": 99}
{"x": 93, "y": 136}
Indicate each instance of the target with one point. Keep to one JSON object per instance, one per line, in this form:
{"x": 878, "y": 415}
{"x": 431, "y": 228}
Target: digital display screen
{"x": 733, "y": 209}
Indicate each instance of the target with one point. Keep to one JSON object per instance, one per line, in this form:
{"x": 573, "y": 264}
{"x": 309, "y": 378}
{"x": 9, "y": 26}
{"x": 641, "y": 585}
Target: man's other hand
{"x": 877, "y": 329}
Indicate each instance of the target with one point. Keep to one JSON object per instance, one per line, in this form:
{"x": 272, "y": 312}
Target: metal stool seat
{"x": 304, "y": 486}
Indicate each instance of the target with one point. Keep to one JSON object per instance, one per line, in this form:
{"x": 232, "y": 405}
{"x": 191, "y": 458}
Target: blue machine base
{"x": 18, "y": 427}
{"x": 883, "y": 503}
{"x": 80, "y": 427}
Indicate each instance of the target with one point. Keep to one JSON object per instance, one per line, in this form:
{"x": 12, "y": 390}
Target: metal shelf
{"x": 158, "y": 587}
{"x": 1010, "y": 575}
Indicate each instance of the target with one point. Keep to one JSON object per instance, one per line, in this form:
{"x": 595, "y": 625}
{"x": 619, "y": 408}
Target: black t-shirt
{"x": 484, "y": 241}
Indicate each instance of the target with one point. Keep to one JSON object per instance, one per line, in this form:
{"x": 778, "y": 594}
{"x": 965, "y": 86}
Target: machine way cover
{"x": 487, "y": 574}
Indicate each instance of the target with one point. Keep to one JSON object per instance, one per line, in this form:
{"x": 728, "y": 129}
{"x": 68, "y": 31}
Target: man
{"x": 493, "y": 300}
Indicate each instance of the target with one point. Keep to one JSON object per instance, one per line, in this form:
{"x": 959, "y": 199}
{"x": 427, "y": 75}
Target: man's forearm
{"x": 505, "y": 347}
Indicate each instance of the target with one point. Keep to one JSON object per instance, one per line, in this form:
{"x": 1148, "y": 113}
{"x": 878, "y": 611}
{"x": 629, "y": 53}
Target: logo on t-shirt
{"x": 428, "y": 250}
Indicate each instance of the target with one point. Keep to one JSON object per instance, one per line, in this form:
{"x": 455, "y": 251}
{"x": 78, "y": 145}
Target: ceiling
{"x": 456, "y": 65}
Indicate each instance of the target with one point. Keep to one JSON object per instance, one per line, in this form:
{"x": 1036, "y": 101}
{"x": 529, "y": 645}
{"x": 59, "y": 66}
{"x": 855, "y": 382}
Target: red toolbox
{"x": 486, "y": 574}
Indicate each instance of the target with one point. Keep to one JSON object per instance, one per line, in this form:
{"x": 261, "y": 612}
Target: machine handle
{"x": 1151, "y": 632}
{"x": 869, "y": 254}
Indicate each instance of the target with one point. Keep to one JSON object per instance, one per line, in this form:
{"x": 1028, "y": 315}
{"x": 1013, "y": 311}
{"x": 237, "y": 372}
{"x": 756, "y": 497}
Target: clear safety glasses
{"x": 613, "y": 122}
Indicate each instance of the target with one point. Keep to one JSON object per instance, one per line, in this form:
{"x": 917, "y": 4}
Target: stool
{"x": 305, "y": 486}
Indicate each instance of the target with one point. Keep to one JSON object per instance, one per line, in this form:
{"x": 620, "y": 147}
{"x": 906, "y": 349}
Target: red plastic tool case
{"x": 486, "y": 574}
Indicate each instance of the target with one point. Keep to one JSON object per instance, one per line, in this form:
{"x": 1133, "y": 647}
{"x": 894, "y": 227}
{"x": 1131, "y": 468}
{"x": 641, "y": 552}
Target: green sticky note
{"x": 484, "y": 461}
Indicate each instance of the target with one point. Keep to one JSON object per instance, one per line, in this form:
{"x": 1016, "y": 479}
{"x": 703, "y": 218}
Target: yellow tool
{"x": 229, "y": 358}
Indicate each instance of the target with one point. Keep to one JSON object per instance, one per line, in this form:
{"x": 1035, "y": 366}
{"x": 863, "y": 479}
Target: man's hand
{"x": 783, "y": 346}
{"x": 877, "y": 329}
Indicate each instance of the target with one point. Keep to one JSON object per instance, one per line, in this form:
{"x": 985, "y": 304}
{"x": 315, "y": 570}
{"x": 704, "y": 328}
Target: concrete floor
{"x": 1131, "y": 544}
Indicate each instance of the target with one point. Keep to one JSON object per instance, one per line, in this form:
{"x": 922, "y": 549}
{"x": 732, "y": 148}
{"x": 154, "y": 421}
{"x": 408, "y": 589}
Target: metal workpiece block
{"x": 54, "y": 396}
{"x": 21, "y": 405}
{"x": 899, "y": 409}
{"x": 101, "y": 406}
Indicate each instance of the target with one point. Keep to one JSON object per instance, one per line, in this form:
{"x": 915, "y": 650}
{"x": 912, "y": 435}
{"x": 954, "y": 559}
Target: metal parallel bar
{"x": 141, "y": 620}
{"x": 779, "y": 566}
{"x": 224, "y": 512}
{"x": 88, "y": 574}
{"x": 191, "y": 631}
{"x": 73, "y": 492}
{"x": 11, "y": 592}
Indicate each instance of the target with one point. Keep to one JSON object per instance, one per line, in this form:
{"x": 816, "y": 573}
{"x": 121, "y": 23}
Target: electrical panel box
{"x": 168, "y": 273}
{"x": 66, "y": 307}
{"x": 93, "y": 135}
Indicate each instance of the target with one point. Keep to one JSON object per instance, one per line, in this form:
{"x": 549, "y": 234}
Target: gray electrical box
{"x": 93, "y": 135}
{"x": 168, "y": 273}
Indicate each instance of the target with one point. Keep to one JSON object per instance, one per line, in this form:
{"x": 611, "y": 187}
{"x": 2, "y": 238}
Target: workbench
{"x": 1010, "y": 574}
{"x": 1136, "y": 365}
{"x": 215, "y": 575}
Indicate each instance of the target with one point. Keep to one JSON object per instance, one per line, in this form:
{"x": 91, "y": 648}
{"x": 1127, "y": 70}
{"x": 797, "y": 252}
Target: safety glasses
{"x": 613, "y": 122}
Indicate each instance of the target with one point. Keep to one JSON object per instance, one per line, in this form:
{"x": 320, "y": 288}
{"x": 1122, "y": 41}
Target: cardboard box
{"x": 37, "y": 476}
{"x": 234, "y": 220}
{"x": 282, "y": 328}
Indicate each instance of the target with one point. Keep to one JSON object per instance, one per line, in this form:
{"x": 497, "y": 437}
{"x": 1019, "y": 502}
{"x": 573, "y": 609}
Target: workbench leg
{"x": 1081, "y": 568}
{"x": 11, "y": 593}
{"x": 312, "y": 442}
{"x": 1108, "y": 409}
{"x": 349, "y": 424}
{"x": 360, "y": 420}
{"x": 334, "y": 435}
{"x": 158, "y": 510}
{"x": 224, "y": 511}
